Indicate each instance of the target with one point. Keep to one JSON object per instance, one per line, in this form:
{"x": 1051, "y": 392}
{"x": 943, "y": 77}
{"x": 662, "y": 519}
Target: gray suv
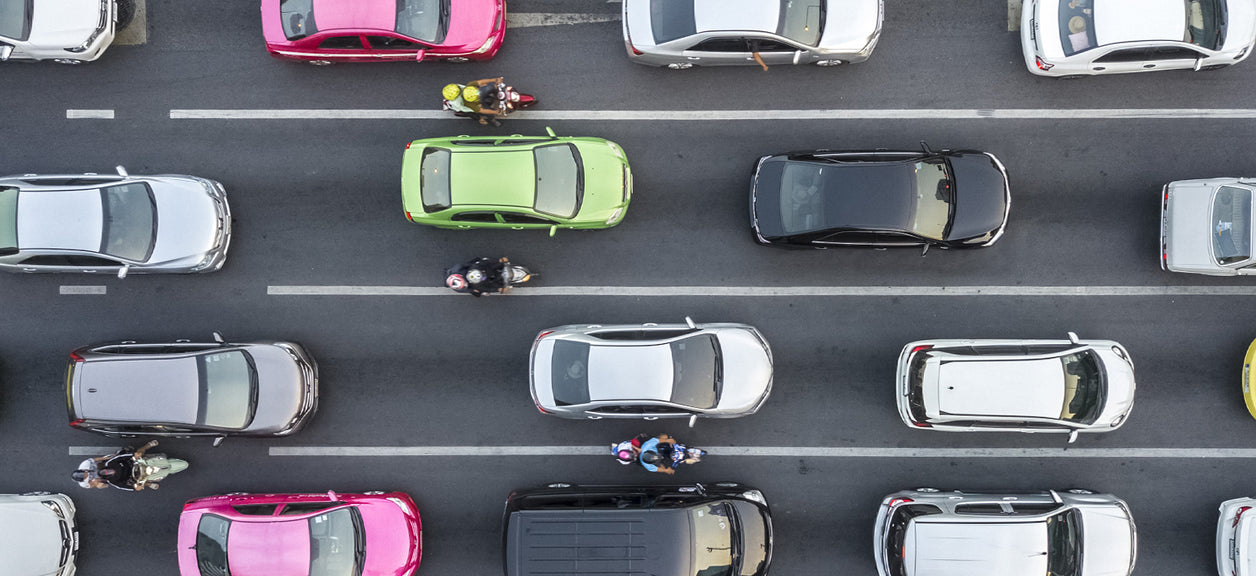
{"x": 1073, "y": 533}
{"x": 184, "y": 389}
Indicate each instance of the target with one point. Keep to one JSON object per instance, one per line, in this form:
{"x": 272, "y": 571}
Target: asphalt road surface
{"x": 317, "y": 205}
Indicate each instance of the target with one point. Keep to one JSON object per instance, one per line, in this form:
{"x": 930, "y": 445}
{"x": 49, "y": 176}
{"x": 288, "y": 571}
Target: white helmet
{"x": 475, "y": 276}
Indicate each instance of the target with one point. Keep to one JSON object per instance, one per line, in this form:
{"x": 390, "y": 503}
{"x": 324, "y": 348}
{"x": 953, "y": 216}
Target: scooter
{"x": 126, "y": 471}
{"x": 505, "y": 100}
{"x": 660, "y": 453}
{"x": 470, "y": 277}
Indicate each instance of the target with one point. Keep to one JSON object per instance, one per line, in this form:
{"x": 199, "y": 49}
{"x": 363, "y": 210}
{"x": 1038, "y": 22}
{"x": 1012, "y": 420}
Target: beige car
{"x": 38, "y": 536}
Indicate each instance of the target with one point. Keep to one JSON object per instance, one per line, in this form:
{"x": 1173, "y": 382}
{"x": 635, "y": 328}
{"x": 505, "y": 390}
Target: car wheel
{"x": 927, "y": 490}
{"x": 39, "y": 493}
{"x": 558, "y": 485}
{"x": 373, "y": 492}
{"x": 458, "y": 59}
{"x": 1079, "y": 491}
{"x": 67, "y": 61}
{"x": 320, "y": 62}
{"x": 680, "y": 65}
{"x": 827, "y": 63}
{"x": 125, "y": 13}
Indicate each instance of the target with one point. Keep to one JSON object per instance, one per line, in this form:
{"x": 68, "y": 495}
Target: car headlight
{"x": 1118, "y": 420}
{"x": 614, "y": 215}
{"x": 615, "y": 149}
{"x": 486, "y": 45}
{"x": 754, "y": 496}
{"x": 56, "y": 508}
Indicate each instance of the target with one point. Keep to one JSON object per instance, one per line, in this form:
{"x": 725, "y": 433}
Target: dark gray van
{"x": 722, "y": 529}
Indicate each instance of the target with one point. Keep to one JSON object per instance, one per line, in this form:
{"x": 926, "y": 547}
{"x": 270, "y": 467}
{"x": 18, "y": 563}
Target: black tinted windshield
{"x": 228, "y": 389}
{"x": 1083, "y": 387}
{"x": 15, "y": 18}
{"x": 426, "y": 20}
{"x": 802, "y": 20}
{"x": 671, "y": 19}
{"x": 570, "y": 372}
{"x": 337, "y": 543}
{"x": 713, "y": 545}
{"x": 130, "y": 221}
{"x": 1064, "y": 544}
{"x": 1232, "y": 225}
{"x": 696, "y": 371}
{"x": 297, "y": 17}
{"x": 211, "y": 545}
{"x": 1205, "y": 23}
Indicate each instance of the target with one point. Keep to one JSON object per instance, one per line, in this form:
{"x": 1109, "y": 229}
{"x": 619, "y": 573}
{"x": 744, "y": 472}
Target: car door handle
{"x": 595, "y": 417}
{"x": 516, "y": 227}
{"x": 28, "y": 269}
{"x": 464, "y": 227}
{"x": 694, "y": 57}
{"x": 90, "y": 271}
{"x": 1149, "y": 65}
{"x": 651, "y": 418}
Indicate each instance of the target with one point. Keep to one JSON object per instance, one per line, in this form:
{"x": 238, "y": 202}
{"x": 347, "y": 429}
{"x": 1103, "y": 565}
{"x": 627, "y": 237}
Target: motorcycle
{"x": 661, "y": 453}
{"x": 497, "y": 96}
{"x": 486, "y": 276}
{"x": 129, "y": 469}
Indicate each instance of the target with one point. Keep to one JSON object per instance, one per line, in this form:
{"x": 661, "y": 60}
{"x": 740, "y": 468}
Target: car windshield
{"x": 1205, "y": 23}
{"x": 1231, "y": 225}
{"x": 754, "y": 538}
{"x": 211, "y": 545}
{"x": 672, "y": 19}
{"x": 15, "y": 18}
{"x": 1064, "y": 544}
{"x": 713, "y": 544}
{"x": 434, "y": 179}
{"x": 559, "y": 180}
{"x": 802, "y": 20}
{"x": 337, "y": 543}
{"x": 228, "y": 389}
{"x": 934, "y": 197}
{"x": 130, "y": 221}
{"x": 696, "y": 371}
{"x": 426, "y": 20}
{"x": 297, "y": 17}
{"x": 8, "y": 218}
{"x": 1083, "y": 387}
{"x": 570, "y": 370}
{"x": 1077, "y": 26}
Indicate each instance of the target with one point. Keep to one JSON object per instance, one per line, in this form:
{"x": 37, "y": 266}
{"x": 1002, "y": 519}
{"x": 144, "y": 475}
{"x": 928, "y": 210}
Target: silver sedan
{"x": 682, "y": 34}
{"x": 1206, "y": 227}
{"x": 113, "y": 223}
{"x": 651, "y": 371}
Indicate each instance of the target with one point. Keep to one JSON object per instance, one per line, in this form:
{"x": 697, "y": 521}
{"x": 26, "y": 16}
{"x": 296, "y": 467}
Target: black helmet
{"x": 79, "y": 475}
{"x": 652, "y": 458}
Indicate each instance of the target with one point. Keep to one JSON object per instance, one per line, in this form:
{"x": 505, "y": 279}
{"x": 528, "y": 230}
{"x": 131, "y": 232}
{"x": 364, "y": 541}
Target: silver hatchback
{"x": 651, "y": 371}
{"x": 102, "y": 223}
{"x": 1078, "y": 532}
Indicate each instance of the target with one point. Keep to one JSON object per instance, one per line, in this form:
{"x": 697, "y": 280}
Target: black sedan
{"x": 952, "y": 199}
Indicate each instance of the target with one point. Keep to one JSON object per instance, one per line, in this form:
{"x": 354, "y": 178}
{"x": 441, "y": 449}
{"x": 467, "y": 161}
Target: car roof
{"x": 492, "y": 177}
{"x": 1139, "y": 20}
{"x": 964, "y": 548}
{"x": 630, "y": 372}
{"x": 67, "y": 220}
{"x": 275, "y": 546}
{"x": 350, "y": 14}
{"x": 132, "y": 389}
{"x": 719, "y": 15}
{"x": 1032, "y": 388}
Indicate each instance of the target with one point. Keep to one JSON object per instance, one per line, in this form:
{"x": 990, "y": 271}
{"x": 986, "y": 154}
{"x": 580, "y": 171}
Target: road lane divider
{"x": 776, "y": 451}
{"x": 535, "y": 19}
{"x": 89, "y": 114}
{"x": 734, "y": 115}
{"x": 81, "y": 290}
{"x": 783, "y": 291}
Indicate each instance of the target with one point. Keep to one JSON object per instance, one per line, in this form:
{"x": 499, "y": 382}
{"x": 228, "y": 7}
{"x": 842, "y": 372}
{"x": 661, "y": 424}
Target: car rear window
{"x": 570, "y": 369}
{"x": 228, "y": 389}
{"x": 1231, "y": 225}
{"x": 559, "y": 180}
{"x": 211, "y": 545}
{"x": 1077, "y": 27}
{"x": 802, "y": 20}
{"x": 130, "y": 221}
{"x": 671, "y": 19}
{"x": 426, "y": 20}
{"x": 696, "y": 371}
{"x": 8, "y": 218}
{"x": 434, "y": 179}
{"x": 15, "y": 18}
{"x": 297, "y": 17}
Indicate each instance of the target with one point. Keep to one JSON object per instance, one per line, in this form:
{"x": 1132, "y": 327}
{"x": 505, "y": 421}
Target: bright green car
{"x": 516, "y": 182}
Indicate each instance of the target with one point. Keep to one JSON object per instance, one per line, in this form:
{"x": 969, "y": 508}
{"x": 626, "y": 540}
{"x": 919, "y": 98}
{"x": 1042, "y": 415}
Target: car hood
{"x": 280, "y": 388}
{"x": 1120, "y": 391}
{"x": 30, "y": 540}
{"x": 1240, "y": 29}
{"x": 1187, "y": 229}
{"x": 849, "y": 25}
{"x": 269, "y": 547}
{"x": 965, "y": 549}
{"x": 392, "y": 539}
{"x": 603, "y": 181}
{"x": 187, "y": 220}
{"x": 64, "y": 23}
{"x": 471, "y": 23}
{"x": 981, "y": 196}
{"x": 747, "y": 370}
{"x": 1108, "y": 549}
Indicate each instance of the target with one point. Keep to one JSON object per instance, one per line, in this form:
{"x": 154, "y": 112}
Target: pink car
{"x": 326, "y": 31}
{"x": 373, "y": 534}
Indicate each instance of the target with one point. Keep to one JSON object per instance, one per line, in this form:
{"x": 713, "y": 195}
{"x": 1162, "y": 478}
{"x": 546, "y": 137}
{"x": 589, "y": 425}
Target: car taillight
{"x": 408, "y": 145}
{"x": 75, "y": 357}
{"x": 628, "y": 35}
{"x": 896, "y": 501}
{"x": 922, "y": 424}
{"x": 1042, "y": 65}
{"x": 409, "y": 216}
{"x": 921, "y": 347}
{"x": 1240, "y": 515}
{"x": 77, "y": 423}
{"x": 544, "y": 334}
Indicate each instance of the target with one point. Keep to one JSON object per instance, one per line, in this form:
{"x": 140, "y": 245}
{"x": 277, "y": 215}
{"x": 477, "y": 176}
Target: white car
{"x": 38, "y": 536}
{"x": 64, "y": 31}
{"x": 1235, "y": 540}
{"x": 1088, "y": 37}
{"x": 1064, "y": 386}
{"x": 1206, "y": 227}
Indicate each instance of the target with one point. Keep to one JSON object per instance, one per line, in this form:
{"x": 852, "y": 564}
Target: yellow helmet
{"x": 471, "y": 94}
{"x": 451, "y": 91}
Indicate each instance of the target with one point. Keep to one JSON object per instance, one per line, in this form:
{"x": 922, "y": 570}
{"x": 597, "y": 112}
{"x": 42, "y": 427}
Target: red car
{"x": 372, "y": 534}
{"x": 325, "y": 31}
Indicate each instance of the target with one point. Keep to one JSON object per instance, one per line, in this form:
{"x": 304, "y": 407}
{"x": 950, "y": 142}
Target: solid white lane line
{"x": 76, "y": 290}
{"x": 532, "y": 19}
{"x": 782, "y": 291}
{"x": 79, "y": 114}
{"x": 779, "y": 451}
{"x": 722, "y": 115}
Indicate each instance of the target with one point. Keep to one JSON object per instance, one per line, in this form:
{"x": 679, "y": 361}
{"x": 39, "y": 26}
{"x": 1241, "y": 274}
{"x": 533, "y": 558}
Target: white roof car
{"x": 682, "y": 34}
{"x": 1236, "y": 541}
{"x": 1206, "y": 227}
{"x": 38, "y": 535}
{"x": 1066, "y": 386}
{"x": 65, "y": 31}
{"x": 1088, "y": 37}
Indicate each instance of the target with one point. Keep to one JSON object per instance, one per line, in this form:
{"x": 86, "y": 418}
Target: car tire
{"x": 680, "y": 66}
{"x": 558, "y": 485}
{"x": 829, "y": 63}
{"x": 319, "y": 62}
{"x": 458, "y": 59}
{"x": 928, "y": 490}
{"x": 67, "y": 61}
{"x": 1079, "y": 491}
{"x": 125, "y": 13}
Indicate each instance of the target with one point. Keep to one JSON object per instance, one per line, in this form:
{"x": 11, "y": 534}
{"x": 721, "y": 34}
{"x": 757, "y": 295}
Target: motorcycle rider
{"x": 479, "y": 276}
{"x": 127, "y": 469}
{"x": 477, "y": 99}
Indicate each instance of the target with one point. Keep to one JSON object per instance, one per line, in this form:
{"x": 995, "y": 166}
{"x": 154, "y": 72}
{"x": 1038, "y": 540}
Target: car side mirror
{"x": 331, "y": 495}
{"x": 1199, "y": 63}
{"x": 550, "y": 131}
{"x": 693, "y": 419}
{"x": 123, "y": 270}
{"x": 1072, "y": 337}
{"x": 553, "y": 230}
{"x": 5, "y": 52}
{"x": 418, "y": 56}
{"x": 925, "y": 147}
{"x": 1072, "y": 436}
{"x": 691, "y": 324}
{"x": 218, "y": 337}
{"x": 924, "y": 250}
{"x": 121, "y": 171}
{"x": 218, "y": 441}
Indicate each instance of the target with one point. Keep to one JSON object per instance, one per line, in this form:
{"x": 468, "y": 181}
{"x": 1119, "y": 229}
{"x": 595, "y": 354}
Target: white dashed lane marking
{"x": 784, "y": 291}
{"x": 740, "y": 115}
{"x": 79, "y": 290}
{"x": 98, "y": 114}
